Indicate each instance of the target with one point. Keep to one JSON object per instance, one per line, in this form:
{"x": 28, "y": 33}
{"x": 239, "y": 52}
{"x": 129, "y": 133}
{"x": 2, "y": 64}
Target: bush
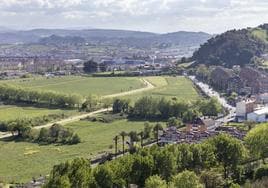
{"x": 261, "y": 172}
{"x": 57, "y": 134}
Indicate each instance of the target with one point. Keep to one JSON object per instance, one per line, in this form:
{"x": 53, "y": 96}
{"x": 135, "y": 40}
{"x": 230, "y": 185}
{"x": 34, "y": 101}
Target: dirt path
{"x": 148, "y": 85}
{"x": 73, "y": 118}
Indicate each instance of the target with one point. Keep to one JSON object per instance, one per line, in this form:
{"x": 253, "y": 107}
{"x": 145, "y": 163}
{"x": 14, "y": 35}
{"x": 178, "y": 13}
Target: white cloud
{"x": 152, "y": 15}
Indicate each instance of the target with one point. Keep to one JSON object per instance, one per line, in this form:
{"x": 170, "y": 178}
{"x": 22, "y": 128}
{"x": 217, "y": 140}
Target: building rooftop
{"x": 261, "y": 111}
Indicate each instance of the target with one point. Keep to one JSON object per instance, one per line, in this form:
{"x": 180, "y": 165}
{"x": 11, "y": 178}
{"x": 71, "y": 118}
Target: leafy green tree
{"x": 261, "y": 172}
{"x": 155, "y": 182}
{"x": 229, "y": 152}
{"x": 141, "y": 169}
{"x": 145, "y": 107}
{"x": 90, "y": 66}
{"x": 158, "y": 127}
{"x": 203, "y": 72}
{"x": 141, "y": 134}
{"x": 202, "y": 156}
{"x": 120, "y": 105}
{"x": 165, "y": 164}
{"x": 186, "y": 179}
{"x": 190, "y": 114}
{"x": 123, "y": 134}
{"x": 76, "y": 173}
{"x": 147, "y": 130}
{"x": 43, "y": 135}
{"x": 209, "y": 107}
{"x": 212, "y": 179}
{"x": 257, "y": 141}
{"x": 174, "y": 122}
{"x": 164, "y": 107}
{"x": 133, "y": 136}
{"x": 234, "y": 185}
{"x": 116, "y": 138}
{"x": 90, "y": 103}
{"x": 184, "y": 156}
{"x": 59, "y": 182}
{"x": 103, "y": 177}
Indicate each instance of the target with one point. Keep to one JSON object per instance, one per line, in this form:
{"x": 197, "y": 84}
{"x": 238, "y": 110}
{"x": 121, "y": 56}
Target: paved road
{"x": 148, "y": 85}
{"x": 212, "y": 93}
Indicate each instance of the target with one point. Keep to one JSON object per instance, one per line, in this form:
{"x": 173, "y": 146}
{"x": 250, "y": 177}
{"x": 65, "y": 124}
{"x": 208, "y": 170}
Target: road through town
{"x": 212, "y": 93}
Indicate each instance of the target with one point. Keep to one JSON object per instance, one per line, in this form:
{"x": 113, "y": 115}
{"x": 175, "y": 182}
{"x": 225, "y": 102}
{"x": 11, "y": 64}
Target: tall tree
{"x": 116, "y": 138}
{"x": 155, "y": 182}
{"x": 103, "y": 176}
{"x": 90, "y": 66}
{"x": 141, "y": 134}
{"x": 123, "y": 134}
{"x": 156, "y": 130}
{"x": 229, "y": 152}
{"x": 186, "y": 179}
{"x": 257, "y": 141}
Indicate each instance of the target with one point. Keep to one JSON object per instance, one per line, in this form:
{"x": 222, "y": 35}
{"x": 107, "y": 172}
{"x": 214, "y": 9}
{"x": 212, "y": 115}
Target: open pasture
{"x": 11, "y": 112}
{"x": 20, "y": 161}
{"x": 179, "y": 88}
{"x": 80, "y": 85}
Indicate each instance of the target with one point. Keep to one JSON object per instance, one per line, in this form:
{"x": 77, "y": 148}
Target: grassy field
{"x": 10, "y": 112}
{"x": 20, "y": 161}
{"x": 80, "y": 85}
{"x": 170, "y": 87}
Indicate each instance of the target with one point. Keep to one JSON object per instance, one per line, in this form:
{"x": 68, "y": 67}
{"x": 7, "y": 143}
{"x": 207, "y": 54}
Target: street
{"x": 212, "y": 93}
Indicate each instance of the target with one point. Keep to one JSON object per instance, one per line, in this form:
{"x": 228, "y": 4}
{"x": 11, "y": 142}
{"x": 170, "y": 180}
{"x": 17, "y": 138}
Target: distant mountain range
{"x": 116, "y": 37}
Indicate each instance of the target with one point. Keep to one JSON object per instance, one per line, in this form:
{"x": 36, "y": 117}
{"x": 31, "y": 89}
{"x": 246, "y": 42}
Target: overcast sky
{"x": 213, "y": 16}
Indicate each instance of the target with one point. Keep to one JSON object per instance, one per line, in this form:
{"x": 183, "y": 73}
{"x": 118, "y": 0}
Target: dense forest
{"x": 235, "y": 47}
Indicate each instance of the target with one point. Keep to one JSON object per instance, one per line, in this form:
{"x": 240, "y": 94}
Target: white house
{"x": 258, "y": 115}
{"x": 243, "y": 108}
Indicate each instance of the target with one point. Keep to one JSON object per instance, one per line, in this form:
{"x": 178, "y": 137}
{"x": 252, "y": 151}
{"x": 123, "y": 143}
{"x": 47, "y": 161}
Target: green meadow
{"x": 20, "y": 161}
{"x": 80, "y": 85}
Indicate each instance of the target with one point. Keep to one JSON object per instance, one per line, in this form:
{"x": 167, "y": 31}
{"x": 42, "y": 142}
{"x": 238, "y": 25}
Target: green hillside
{"x": 234, "y": 47}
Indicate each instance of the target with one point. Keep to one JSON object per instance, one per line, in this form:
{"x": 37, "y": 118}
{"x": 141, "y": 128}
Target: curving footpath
{"x": 71, "y": 119}
{"x": 148, "y": 86}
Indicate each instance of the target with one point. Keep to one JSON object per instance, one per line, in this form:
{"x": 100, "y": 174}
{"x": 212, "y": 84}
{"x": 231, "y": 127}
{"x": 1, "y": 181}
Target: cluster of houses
{"x": 245, "y": 80}
{"x": 196, "y": 131}
{"x": 11, "y": 67}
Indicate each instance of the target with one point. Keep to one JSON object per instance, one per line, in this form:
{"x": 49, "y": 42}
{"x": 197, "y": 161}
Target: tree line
{"x": 152, "y": 108}
{"x": 56, "y": 134}
{"x": 217, "y": 162}
{"x": 32, "y": 122}
{"x": 21, "y": 95}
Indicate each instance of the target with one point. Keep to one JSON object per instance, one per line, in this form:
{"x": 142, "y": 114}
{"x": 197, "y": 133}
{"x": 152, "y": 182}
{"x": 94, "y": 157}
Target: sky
{"x": 159, "y": 16}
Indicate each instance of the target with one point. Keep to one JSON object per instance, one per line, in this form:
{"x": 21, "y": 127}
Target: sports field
{"x": 10, "y": 112}
{"x": 20, "y": 161}
{"x": 80, "y": 85}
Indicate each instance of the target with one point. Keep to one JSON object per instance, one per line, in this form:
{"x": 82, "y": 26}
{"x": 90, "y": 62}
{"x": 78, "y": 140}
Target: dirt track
{"x": 148, "y": 85}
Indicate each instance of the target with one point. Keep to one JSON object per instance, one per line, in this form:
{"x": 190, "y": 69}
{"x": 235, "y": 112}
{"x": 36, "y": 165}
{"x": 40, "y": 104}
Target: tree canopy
{"x": 235, "y": 47}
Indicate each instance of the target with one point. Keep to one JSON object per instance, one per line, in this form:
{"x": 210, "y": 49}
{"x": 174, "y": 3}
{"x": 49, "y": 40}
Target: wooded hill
{"x": 234, "y": 47}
